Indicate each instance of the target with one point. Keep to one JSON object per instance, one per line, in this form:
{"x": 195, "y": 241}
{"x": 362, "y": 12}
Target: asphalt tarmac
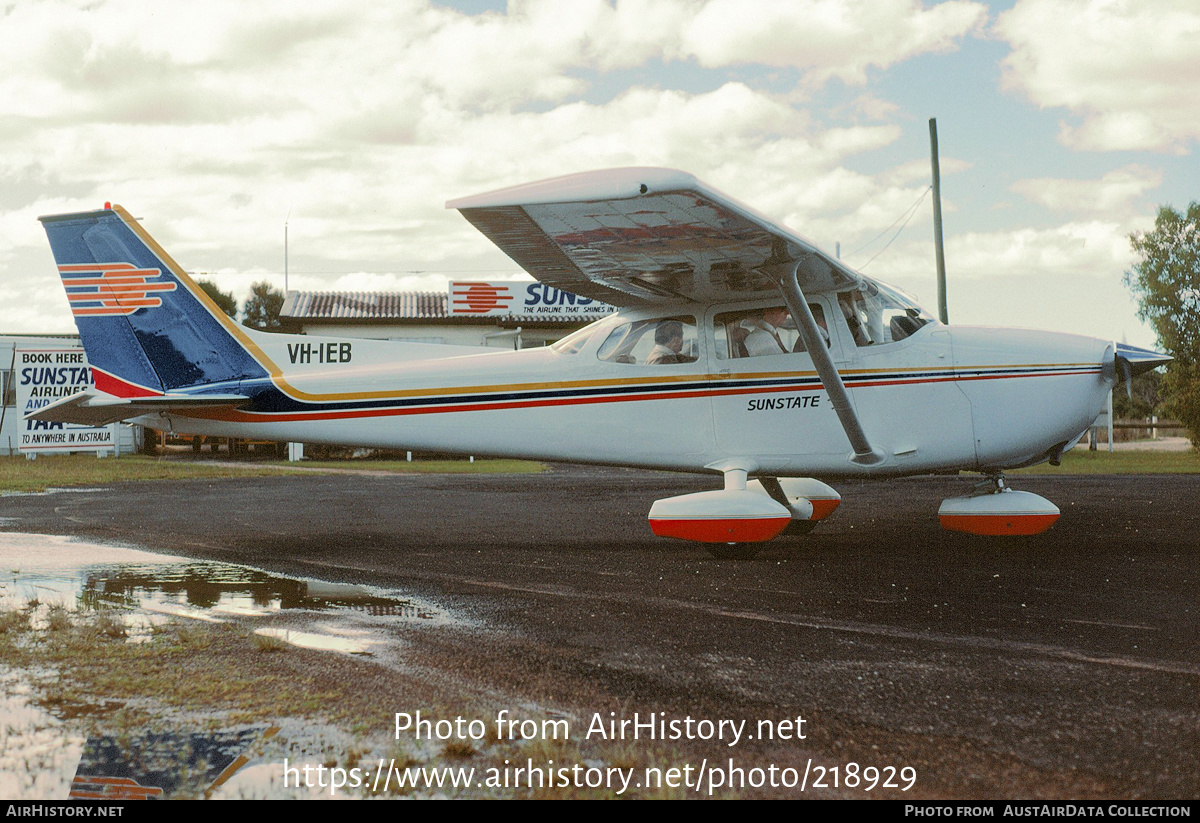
{"x": 1060, "y": 666}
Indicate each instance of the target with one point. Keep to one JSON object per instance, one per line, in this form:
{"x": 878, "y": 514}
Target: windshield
{"x": 878, "y": 314}
{"x": 576, "y": 340}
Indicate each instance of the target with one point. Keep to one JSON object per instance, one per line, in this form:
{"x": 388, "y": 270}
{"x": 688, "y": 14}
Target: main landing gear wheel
{"x": 733, "y": 551}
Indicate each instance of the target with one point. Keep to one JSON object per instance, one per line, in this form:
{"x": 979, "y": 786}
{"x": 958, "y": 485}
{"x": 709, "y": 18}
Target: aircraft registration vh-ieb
{"x": 739, "y": 348}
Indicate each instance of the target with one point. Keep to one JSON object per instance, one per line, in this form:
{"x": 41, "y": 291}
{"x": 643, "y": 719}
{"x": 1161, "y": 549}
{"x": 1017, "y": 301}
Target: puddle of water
{"x": 38, "y": 754}
{"x": 53, "y": 490}
{"x": 60, "y": 571}
{"x": 164, "y": 765}
{"x": 45, "y": 575}
{"x": 320, "y": 641}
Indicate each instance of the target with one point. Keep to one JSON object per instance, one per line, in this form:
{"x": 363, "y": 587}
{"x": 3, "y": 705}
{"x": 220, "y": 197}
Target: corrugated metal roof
{"x": 383, "y": 306}
{"x": 364, "y": 305}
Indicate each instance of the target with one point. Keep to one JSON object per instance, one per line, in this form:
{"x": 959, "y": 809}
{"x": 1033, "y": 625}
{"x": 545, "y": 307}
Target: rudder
{"x": 147, "y": 328}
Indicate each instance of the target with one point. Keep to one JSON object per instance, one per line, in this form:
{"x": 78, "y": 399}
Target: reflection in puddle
{"x": 45, "y": 582}
{"x": 75, "y": 577}
{"x": 162, "y": 764}
{"x": 53, "y": 490}
{"x": 221, "y": 588}
{"x": 37, "y": 753}
{"x": 321, "y": 642}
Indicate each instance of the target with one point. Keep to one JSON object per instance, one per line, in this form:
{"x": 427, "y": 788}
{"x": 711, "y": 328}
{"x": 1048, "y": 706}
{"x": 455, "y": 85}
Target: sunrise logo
{"x": 112, "y": 788}
{"x": 111, "y": 288}
{"x": 479, "y": 298}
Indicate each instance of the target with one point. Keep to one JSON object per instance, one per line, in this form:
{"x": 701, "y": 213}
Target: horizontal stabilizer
{"x": 96, "y": 408}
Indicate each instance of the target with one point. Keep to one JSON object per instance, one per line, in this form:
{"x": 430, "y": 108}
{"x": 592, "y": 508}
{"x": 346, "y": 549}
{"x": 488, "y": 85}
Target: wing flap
{"x": 642, "y": 235}
{"x": 90, "y": 407}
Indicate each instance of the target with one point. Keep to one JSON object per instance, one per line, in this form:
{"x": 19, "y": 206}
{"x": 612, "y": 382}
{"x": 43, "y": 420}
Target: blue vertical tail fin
{"x": 147, "y": 328}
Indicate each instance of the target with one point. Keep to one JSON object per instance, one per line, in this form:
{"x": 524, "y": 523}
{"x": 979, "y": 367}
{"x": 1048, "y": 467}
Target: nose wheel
{"x": 994, "y": 509}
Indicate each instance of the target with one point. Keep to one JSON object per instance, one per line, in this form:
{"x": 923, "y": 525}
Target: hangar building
{"x": 512, "y": 315}
{"x": 430, "y": 317}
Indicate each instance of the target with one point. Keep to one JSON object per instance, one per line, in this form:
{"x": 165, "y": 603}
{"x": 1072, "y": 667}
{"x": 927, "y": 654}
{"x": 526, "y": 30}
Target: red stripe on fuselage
{"x": 237, "y": 416}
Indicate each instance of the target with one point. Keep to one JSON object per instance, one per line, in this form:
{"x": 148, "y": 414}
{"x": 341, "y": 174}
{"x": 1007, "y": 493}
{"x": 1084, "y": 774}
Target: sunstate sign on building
{"x": 45, "y": 376}
{"x": 476, "y": 298}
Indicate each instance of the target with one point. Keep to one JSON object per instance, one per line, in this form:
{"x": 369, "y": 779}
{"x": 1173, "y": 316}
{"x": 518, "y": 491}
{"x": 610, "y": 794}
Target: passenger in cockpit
{"x": 668, "y": 343}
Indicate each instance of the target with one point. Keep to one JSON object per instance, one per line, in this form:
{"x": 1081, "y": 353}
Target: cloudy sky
{"x": 1063, "y": 125}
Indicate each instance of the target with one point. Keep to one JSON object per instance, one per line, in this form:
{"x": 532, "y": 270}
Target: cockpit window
{"x": 662, "y": 341}
{"x": 877, "y": 315}
{"x": 576, "y": 340}
{"x": 759, "y": 332}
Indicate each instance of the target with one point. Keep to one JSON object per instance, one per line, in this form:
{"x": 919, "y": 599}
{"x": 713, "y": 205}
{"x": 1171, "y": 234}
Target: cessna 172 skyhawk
{"x": 739, "y": 348}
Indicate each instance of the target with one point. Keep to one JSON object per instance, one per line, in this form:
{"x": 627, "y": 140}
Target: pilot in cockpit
{"x": 668, "y": 344}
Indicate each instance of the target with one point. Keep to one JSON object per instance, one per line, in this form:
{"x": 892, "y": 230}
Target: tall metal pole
{"x": 285, "y": 252}
{"x": 943, "y": 312}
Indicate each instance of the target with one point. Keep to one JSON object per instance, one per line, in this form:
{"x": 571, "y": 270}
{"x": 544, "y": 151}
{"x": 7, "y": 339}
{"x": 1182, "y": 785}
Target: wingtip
{"x": 601, "y": 184}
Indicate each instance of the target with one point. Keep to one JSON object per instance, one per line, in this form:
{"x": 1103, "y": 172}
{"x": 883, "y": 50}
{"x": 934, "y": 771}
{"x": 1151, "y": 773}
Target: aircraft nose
{"x": 1132, "y": 360}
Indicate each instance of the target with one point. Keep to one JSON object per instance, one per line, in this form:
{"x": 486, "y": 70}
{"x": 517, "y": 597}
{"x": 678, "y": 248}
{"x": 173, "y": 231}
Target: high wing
{"x": 635, "y": 236}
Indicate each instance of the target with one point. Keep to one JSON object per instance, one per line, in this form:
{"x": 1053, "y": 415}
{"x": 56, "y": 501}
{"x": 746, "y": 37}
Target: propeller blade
{"x": 1125, "y": 373}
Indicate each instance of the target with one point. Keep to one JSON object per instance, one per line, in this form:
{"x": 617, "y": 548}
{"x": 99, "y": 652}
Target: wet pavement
{"x": 48, "y": 580}
{"x": 1064, "y": 665}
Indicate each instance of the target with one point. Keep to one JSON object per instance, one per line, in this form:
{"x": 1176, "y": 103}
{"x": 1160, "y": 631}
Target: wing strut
{"x": 789, "y": 284}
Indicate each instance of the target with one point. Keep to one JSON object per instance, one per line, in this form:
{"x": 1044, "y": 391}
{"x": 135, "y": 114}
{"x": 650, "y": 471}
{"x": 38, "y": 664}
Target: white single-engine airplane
{"x": 739, "y": 348}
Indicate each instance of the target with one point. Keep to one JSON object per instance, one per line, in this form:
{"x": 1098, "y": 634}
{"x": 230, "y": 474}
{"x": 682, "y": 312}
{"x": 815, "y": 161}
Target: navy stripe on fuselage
{"x": 268, "y": 399}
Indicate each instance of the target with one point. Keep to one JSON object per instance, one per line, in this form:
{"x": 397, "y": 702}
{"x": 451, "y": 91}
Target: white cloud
{"x": 826, "y": 39}
{"x": 1091, "y": 249}
{"x": 1114, "y": 193}
{"x": 1064, "y": 278}
{"x": 1094, "y": 248}
{"x": 1130, "y": 70}
{"x": 214, "y": 121}
{"x": 873, "y": 108}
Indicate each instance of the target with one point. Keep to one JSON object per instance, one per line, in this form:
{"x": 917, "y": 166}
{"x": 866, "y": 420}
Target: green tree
{"x": 225, "y": 301}
{"x": 262, "y": 307}
{"x": 1166, "y": 281}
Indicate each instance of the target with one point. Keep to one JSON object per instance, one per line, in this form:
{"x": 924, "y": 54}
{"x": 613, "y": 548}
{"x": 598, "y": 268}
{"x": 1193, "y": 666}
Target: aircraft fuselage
{"x": 943, "y": 398}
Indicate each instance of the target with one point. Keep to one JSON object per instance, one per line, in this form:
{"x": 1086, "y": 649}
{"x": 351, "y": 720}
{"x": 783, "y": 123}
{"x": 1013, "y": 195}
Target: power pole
{"x": 285, "y": 253}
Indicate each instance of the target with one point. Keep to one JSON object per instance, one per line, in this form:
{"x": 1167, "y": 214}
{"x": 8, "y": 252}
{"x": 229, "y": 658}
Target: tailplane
{"x": 148, "y": 329}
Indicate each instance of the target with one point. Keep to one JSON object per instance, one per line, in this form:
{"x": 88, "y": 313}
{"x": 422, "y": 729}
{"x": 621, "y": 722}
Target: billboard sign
{"x": 43, "y": 376}
{"x": 518, "y": 298}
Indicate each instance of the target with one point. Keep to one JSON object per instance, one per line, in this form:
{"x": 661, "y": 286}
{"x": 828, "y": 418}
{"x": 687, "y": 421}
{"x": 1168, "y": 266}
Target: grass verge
{"x": 18, "y": 474}
{"x": 1082, "y": 461}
